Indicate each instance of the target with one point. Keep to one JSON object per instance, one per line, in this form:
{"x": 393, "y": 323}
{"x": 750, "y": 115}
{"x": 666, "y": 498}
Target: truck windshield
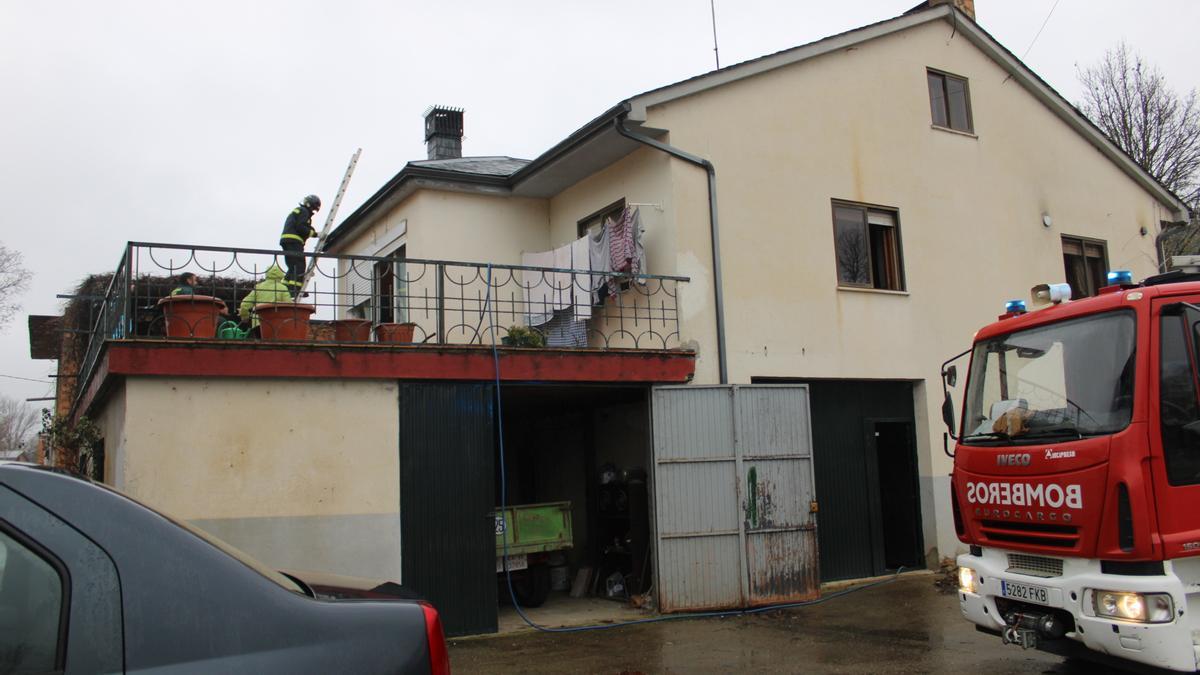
{"x": 1069, "y": 379}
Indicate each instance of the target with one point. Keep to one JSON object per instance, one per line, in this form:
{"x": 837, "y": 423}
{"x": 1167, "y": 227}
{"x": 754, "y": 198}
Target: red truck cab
{"x": 1076, "y": 478}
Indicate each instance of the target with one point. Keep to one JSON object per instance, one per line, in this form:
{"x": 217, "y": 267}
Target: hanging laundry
{"x": 627, "y": 254}
{"x": 564, "y": 331}
{"x": 600, "y": 256}
{"x": 546, "y": 292}
{"x": 581, "y": 284}
{"x": 538, "y": 288}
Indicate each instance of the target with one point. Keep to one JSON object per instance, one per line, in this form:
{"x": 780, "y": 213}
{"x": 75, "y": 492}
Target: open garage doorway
{"x": 575, "y": 466}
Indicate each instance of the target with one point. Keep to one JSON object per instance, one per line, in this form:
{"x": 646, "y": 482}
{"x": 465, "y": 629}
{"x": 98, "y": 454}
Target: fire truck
{"x": 1076, "y": 480}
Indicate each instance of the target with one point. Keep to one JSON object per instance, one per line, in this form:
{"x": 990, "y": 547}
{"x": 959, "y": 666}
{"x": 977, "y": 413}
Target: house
{"x": 824, "y": 226}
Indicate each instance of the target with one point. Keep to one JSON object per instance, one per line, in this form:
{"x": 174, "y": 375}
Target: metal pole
{"x": 714, "y": 233}
{"x": 441, "y": 303}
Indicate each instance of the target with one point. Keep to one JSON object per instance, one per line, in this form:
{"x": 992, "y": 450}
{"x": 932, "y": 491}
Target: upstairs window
{"x": 592, "y": 223}
{"x": 950, "y": 101}
{"x": 867, "y": 247}
{"x": 1086, "y": 264}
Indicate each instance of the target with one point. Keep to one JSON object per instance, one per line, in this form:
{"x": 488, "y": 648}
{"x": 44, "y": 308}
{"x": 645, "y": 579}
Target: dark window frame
{"x": 384, "y": 272}
{"x": 945, "y": 78}
{"x": 597, "y": 217}
{"x": 1084, "y": 242}
{"x": 64, "y": 580}
{"x": 901, "y": 278}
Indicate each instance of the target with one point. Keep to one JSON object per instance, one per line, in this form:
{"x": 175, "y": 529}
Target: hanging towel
{"x": 581, "y": 284}
{"x": 546, "y": 292}
{"x": 564, "y": 331}
{"x": 600, "y": 255}
{"x": 538, "y": 288}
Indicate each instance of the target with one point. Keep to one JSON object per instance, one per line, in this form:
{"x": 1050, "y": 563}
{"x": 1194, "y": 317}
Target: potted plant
{"x": 284, "y": 320}
{"x": 523, "y": 336}
{"x": 194, "y": 316}
{"x": 352, "y": 330}
{"x": 395, "y": 332}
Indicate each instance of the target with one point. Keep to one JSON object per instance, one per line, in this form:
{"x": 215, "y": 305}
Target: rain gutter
{"x": 619, "y": 125}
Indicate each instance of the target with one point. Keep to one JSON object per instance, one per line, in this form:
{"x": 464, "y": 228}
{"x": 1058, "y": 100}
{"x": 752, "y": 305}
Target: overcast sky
{"x": 205, "y": 122}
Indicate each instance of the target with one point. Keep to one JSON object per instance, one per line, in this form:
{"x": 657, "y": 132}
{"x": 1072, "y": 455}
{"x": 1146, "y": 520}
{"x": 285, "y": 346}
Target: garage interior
{"x": 590, "y": 446}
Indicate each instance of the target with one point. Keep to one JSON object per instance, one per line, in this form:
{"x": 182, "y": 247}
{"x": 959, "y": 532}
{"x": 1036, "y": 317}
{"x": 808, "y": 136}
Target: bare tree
{"x": 853, "y": 257}
{"x": 14, "y": 278}
{"x": 18, "y": 422}
{"x": 1131, "y": 101}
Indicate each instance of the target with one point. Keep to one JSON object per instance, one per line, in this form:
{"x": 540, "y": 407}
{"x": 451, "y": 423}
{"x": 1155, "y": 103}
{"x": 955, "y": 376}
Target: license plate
{"x": 515, "y": 562}
{"x": 1026, "y": 592}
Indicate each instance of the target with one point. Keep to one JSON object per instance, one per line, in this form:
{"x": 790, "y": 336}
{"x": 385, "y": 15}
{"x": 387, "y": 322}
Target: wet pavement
{"x": 906, "y": 626}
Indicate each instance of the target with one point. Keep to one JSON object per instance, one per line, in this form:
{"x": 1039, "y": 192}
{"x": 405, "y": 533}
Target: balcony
{"x": 371, "y": 305}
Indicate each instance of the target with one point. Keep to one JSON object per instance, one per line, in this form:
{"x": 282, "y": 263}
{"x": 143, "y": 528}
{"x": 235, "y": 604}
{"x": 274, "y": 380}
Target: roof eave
{"x": 1071, "y": 115}
{"x": 640, "y": 103}
{"x": 579, "y": 136}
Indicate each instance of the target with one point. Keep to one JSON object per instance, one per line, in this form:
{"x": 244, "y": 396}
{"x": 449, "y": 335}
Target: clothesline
{"x": 607, "y": 260}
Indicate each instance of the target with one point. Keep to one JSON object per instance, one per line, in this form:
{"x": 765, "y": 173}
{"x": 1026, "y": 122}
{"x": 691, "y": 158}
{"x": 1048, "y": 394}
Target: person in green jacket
{"x": 270, "y": 289}
{"x": 187, "y": 284}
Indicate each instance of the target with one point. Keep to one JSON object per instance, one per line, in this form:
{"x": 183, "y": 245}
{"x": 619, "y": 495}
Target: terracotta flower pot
{"x": 192, "y": 316}
{"x": 352, "y": 330}
{"x": 284, "y": 320}
{"x": 395, "y": 332}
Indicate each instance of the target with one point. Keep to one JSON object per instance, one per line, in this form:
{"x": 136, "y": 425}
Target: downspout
{"x": 619, "y": 125}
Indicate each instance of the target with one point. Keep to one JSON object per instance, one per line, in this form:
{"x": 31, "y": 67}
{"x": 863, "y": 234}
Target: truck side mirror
{"x": 951, "y": 375}
{"x": 948, "y": 413}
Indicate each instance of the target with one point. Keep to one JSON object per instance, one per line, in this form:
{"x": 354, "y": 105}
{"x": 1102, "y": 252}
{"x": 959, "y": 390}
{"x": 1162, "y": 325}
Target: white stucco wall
{"x": 855, "y": 125}
{"x": 302, "y": 474}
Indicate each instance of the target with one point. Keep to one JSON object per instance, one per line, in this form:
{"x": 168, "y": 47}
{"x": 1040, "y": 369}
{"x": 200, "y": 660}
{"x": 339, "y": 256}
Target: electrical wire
{"x": 621, "y": 624}
{"x": 14, "y": 377}
{"x": 1039, "y": 33}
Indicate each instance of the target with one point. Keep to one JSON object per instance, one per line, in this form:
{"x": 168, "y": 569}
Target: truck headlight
{"x": 1140, "y": 607}
{"x": 967, "y": 579}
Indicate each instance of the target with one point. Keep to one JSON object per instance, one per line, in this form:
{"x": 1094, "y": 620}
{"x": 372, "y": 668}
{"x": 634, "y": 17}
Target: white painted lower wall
{"x": 302, "y": 474}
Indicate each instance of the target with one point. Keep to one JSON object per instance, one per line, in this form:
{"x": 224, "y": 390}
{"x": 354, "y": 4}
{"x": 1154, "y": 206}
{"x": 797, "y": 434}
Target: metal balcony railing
{"x": 354, "y": 299}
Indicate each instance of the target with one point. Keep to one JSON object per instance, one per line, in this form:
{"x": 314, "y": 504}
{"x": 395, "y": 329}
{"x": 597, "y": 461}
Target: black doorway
{"x": 854, "y": 488}
{"x": 899, "y": 499}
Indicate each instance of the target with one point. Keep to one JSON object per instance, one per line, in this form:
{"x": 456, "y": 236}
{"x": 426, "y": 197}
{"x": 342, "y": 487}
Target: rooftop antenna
{"x": 716, "y": 54}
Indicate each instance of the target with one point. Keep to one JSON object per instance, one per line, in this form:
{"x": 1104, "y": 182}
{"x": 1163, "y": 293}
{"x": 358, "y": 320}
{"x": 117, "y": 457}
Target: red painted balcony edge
{"x": 282, "y": 360}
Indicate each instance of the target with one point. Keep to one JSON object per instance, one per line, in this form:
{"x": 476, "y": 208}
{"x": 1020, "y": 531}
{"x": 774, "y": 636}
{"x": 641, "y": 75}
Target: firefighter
{"x": 272, "y": 288}
{"x": 297, "y": 230}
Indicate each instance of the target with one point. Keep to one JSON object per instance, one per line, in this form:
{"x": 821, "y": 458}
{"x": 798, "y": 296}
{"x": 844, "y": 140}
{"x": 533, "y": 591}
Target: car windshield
{"x": 1068, "y": 380}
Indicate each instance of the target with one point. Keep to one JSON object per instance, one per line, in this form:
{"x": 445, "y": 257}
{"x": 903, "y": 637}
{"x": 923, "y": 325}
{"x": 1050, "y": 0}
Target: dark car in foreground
{"x": 94, "y": 582}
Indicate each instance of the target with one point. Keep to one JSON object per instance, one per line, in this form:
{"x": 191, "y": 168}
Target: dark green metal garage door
{"x": 851, "y": 537}
{"x": 447, "y": 533}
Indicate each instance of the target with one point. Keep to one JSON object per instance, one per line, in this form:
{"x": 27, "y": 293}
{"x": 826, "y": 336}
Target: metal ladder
{"x": 337, "y": 201}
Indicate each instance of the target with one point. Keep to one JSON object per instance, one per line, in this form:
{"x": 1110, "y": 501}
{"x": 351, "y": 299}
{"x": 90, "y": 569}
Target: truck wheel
{"x": 533, "y": 587}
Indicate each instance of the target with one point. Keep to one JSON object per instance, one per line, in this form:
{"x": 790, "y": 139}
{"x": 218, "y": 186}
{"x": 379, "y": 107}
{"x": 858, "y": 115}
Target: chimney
{"x": 965, "y": 6}
{"x": 443, "y": 132}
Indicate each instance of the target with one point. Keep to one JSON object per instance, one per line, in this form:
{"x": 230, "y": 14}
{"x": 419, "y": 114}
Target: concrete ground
{"x": 906, "y": 626}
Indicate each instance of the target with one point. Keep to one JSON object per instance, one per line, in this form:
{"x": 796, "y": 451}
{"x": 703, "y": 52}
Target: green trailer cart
{"x": 533, "y": 532}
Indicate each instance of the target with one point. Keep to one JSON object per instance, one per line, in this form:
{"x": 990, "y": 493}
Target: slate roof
{"x": 485, "y": 166}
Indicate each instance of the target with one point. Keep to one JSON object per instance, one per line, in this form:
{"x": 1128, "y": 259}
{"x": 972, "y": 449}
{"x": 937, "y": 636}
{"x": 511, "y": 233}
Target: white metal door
{"x": 733, "y": 490}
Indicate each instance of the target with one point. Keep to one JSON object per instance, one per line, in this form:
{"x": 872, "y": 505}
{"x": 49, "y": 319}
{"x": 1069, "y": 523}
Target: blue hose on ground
{"x": 606, "y": 626}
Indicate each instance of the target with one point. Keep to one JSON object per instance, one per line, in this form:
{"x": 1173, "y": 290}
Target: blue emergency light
{"x": 1120, "y": 278}
{"x": 1014, "y": 306}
